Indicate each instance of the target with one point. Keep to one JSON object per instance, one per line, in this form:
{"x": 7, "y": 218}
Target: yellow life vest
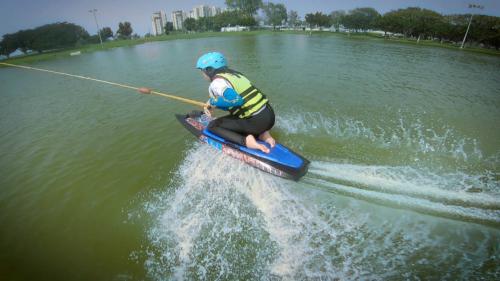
{"x": 253, "y": 99}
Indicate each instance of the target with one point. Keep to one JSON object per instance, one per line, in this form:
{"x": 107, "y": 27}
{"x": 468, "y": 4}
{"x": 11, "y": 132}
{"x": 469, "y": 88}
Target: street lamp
{"x": 470, "y": 20}
{"x": 93, "y": 11}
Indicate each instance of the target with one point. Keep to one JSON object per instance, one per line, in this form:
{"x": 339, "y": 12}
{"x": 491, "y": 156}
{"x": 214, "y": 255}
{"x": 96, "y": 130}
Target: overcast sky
{"x": 22, "y": 14}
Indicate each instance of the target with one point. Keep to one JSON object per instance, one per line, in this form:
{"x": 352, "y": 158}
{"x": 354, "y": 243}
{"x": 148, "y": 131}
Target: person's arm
{"x": 229, "y": 98}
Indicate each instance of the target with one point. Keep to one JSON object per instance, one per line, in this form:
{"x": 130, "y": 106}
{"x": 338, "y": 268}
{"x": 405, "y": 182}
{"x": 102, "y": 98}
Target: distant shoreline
{"x": 132, "y": 42}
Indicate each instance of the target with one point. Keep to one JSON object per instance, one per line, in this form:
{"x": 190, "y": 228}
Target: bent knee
{"x": 213, "y": 124}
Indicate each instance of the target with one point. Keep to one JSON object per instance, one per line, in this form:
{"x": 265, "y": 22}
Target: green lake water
{"x": 101, "y": 183}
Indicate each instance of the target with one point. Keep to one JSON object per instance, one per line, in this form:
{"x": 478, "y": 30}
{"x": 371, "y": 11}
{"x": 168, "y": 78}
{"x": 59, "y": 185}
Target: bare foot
{"x": 266, "y": 136}
{"x": 253, "y": 144}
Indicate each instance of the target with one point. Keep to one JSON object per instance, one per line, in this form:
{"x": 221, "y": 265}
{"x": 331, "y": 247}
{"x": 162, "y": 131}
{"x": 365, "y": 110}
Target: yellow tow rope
{"x": 190, "y": 101}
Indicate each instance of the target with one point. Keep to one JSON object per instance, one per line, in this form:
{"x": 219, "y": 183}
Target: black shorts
{"x": 235, "y": 129}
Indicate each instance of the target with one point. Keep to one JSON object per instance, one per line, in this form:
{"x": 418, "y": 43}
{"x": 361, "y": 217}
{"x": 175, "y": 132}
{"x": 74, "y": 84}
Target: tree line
{"x": 240, "y": 12}
{"x": 215, "y": 23}
{"x": 412, "y": 22}
{"x": 57, "y": 36}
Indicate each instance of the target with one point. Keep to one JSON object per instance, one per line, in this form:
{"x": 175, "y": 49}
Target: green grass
{"x": 176, "y": 36}
{"x": 121, "y": 43}
{"x": 414, "y": 42}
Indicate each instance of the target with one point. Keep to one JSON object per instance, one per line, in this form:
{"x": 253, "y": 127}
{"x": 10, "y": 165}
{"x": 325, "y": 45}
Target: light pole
{"x": 470, "y": 20}
{"x": 93, "y": 11}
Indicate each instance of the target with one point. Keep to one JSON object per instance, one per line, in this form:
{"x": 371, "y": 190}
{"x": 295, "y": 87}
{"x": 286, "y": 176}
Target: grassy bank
{"x": 123, "y": 43}
{"x": 430, "y": 43}
{"x": 433, "y": 43}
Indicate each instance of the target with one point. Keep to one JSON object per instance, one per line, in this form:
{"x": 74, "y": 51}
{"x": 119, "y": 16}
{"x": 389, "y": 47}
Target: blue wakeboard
{"x": 280, "y": 161}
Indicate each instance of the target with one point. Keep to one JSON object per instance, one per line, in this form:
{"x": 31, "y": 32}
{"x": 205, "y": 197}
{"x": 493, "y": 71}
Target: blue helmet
{"x": 214, "y": 60}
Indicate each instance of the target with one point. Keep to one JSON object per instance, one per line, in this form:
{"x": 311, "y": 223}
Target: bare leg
{"x": 266, "y": 136}
{"x": 252, "y": 143}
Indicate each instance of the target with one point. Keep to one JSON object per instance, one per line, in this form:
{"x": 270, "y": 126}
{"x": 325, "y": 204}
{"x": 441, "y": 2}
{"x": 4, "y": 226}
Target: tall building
{"x": 158, "y": 22}
{"x": 177, "y": 19}
{"x": 215, "y": 11}
{"x": 187, "y": 15}
{"x": 201, "y": 11}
